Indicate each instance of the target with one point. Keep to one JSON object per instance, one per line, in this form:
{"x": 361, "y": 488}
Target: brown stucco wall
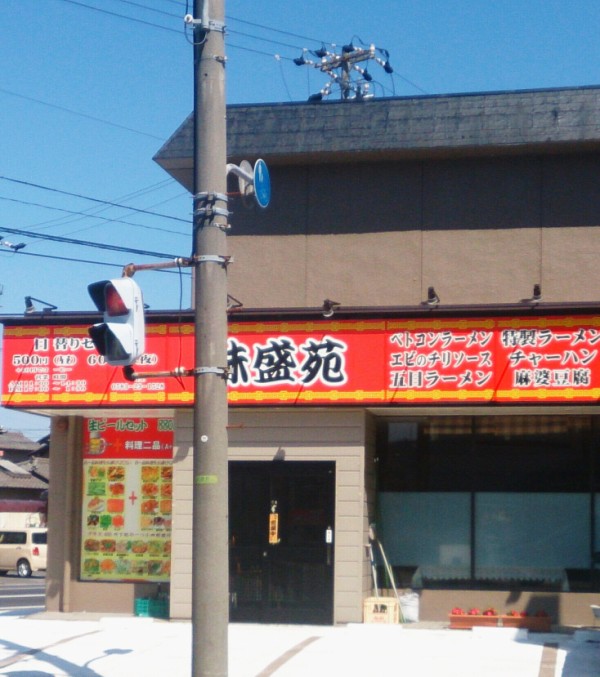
{"x": 480, "y": 230}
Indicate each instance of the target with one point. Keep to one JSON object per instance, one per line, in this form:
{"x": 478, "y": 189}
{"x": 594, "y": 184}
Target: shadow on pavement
{"x": 22, "y": 653}
{"x": 583, "y": 661}
{"x": 29, "y": 673}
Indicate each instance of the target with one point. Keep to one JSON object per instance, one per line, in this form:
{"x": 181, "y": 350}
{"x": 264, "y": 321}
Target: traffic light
{"x": 120, "y": 338}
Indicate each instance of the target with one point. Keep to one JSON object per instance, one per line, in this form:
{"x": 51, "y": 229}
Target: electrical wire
{"x": 81, "y": 115}
{"x": 91, "y": 199}
{"x": 95, "y": 210}
{"x": 149, "y": 9}
{"x": 276, "y": 30}
{"x": 179, "y": 323}
{"x": 108, "y": 204}
{"x": 87, "y": 261}
{"x": 240, "y": 47}
{"x": 86, "y": 216}
{"x": 283, "y": 79}
{"x": 257, "y": 51}
{"x": 255, "y": 37}
{"x": 121, "y": 16}
{"x": 87, "y": 243}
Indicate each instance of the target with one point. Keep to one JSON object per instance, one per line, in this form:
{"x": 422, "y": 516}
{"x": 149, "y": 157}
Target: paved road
{"x": 22, "y": 595}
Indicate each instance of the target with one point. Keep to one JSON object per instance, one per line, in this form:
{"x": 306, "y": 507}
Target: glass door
{"x": 281, "y": 519}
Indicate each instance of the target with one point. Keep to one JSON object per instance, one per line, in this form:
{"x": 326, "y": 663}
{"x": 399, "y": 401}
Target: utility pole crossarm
{"x": 341, "y": 67}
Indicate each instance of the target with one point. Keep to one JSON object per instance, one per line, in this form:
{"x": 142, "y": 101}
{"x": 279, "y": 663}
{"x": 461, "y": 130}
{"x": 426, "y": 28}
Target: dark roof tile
{"x": 424, "y": 124}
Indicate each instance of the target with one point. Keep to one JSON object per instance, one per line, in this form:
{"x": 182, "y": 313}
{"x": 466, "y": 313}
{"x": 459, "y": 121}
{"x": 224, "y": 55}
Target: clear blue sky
{"x": 90, "y": 89}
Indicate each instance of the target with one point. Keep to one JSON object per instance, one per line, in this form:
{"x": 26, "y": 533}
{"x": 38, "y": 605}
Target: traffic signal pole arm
{"x": 179, "y": 372}
{"x": 183, "y": 262}
{"x": 131, "y": 268}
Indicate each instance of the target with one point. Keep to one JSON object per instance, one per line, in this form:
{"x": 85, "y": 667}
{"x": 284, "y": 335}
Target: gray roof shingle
{"x": 16, "y": 441}
{"x": 283, "y": 133}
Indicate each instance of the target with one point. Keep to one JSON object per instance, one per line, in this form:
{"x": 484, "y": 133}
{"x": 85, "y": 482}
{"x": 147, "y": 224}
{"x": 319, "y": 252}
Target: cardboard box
{"x": 381, "y": 610}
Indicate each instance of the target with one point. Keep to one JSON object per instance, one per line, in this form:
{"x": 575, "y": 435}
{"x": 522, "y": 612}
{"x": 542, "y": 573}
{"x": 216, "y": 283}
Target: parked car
{"x": 24, "y": 550}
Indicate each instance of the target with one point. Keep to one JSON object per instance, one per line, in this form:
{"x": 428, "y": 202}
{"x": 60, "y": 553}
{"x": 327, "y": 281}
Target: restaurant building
{"x": 417, "y": 347}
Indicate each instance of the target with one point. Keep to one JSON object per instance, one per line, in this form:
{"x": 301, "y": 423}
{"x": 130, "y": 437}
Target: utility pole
{"x": 210, "y": 547}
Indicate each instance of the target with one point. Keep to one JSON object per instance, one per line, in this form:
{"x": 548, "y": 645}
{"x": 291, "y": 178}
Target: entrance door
{"x": 281, "y": 522}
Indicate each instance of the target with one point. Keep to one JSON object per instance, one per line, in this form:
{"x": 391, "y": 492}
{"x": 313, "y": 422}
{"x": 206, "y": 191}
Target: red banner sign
{"x": 542, "y": 359}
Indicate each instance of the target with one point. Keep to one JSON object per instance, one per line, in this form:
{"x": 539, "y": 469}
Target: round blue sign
{"x": 262, "y": 184}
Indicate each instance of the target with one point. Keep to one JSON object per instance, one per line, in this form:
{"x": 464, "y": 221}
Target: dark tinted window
{"x": 487, "y": 453}
{"x": 13, "y": 537}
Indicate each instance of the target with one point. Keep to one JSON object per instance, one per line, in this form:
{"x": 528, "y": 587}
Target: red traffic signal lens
{"x": 115, "y": 306}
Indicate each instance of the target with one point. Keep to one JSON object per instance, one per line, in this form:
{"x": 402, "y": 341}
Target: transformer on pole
{"x": 353, "y": 81}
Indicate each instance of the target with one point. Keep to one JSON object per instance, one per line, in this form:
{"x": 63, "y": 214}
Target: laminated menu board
{"x": 127, "y": 499}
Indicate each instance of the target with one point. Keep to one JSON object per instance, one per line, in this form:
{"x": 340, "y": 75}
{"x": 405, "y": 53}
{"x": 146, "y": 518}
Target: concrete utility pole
{"x": 210, "y": 547}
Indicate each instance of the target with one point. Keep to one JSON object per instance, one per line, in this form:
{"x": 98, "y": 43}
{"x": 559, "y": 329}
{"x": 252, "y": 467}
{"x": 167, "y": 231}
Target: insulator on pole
{"x": 352, "y": 80}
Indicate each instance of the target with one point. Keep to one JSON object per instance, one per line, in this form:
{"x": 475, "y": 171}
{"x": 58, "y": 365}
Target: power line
{"x": 178, "y": 16}
{"x": 86, "y": 243}
{"x": 255, "y": 37}
{"x": 278, "y": 57}
{"x": 258, "y": 51}
{"x": 93, "y": 212}
{"x": 275, "y": 30}
{"x": 122, "y": 16}
{"x": 87, "y": 216}
{"x": 91, "y": 199}
{"x": 88, "y": 261}
{"x": 81, "y": 115}
{"x": 70, "y": 259}
{"x": 231, "y": 18}
{"x": 150, "y": 9}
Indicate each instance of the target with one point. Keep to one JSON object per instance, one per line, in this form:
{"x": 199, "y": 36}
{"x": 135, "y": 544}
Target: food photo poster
{"x": 127, "y": 499}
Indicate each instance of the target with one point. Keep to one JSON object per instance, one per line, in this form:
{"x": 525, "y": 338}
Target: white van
{"x": 24, "y": 550}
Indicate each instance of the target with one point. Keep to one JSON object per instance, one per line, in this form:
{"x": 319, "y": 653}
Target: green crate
{"x": 155, "y": 608}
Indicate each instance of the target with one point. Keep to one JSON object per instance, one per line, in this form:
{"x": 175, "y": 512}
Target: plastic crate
{"x": 381, "y": 610}
{"x": 155, "y": 608}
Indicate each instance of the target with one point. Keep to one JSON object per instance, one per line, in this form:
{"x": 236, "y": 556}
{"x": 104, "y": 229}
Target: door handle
{"x": 328, "y": 545}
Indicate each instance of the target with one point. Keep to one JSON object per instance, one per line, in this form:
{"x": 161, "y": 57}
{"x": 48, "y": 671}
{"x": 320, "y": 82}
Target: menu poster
{"x": 126, "y": 499}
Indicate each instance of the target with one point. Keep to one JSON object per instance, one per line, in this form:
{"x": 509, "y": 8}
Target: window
{"x": 491, "y": 500}
{"x": 13, "y": 537}
{"x": 504, "y": 453}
